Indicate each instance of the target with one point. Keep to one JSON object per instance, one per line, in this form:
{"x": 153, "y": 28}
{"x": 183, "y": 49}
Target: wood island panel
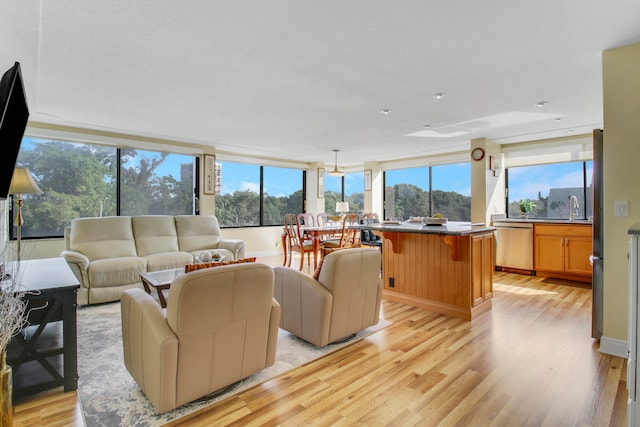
{"x": 450, "y": 274}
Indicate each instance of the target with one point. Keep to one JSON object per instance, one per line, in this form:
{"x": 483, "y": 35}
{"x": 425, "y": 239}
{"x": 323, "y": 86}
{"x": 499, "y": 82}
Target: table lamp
{"x": 342, "y": 207}
{"x": 21, "y": 183}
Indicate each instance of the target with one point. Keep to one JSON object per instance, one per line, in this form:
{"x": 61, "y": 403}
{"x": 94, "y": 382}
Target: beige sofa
{"x": 220, "y": 326}
{"x": 343, "y": 300}
{"x": 107, "y": 254}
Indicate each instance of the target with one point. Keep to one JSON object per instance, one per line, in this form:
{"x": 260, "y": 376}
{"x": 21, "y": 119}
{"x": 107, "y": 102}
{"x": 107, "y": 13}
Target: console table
{"x": 34, "y": 354}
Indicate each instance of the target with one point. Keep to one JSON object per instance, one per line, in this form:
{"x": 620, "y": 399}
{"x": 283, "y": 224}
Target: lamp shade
{"x": 23, "y": 183}
{"x": 342, "y": 206}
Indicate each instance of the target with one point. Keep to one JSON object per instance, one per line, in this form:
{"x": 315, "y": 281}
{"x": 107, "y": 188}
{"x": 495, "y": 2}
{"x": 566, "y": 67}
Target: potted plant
{"x": 526, "y": 206}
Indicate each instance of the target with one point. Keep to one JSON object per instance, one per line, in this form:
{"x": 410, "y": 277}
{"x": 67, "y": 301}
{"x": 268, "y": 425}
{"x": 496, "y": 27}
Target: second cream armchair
{"x": 343, "y": 300}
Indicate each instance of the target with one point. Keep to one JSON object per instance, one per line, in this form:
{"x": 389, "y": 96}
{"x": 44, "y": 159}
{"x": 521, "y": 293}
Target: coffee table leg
{"x": 163, "y": 300}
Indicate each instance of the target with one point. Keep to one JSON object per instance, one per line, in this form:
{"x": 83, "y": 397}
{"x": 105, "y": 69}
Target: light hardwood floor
{"x": 528, "y": 362}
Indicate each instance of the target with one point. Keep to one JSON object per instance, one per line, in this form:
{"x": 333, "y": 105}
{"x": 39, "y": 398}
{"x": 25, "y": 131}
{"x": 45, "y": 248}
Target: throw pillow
{"x": 193, "y": 267}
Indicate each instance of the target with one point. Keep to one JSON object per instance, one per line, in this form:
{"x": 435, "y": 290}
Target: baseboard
{"x": 614, "y": 347}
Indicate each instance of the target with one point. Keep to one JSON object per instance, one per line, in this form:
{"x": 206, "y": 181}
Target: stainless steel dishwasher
{"x": 514, "y": 245}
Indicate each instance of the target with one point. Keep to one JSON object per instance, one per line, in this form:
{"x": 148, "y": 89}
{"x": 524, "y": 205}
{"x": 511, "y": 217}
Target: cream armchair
{"x": 220, "y": 326}
{"x": 342, "y": 301}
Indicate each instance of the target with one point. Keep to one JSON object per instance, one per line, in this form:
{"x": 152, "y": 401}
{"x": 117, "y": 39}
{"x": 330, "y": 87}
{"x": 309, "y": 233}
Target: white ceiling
{"x": 296, "y": 79}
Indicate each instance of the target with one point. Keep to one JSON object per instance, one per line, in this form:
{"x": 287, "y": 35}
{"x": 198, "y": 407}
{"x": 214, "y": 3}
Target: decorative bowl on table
{"x": 209, "y": 257}
{"x": 434, "y": 221}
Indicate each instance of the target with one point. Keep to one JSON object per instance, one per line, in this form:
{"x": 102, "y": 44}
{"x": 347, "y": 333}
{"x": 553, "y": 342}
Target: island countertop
{"x": 452, "y": 228}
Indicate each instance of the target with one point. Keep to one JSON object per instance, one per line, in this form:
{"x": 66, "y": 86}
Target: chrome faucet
{"x": 573, "y": 207}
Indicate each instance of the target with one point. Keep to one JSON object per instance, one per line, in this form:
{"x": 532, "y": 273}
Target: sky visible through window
{"x": 526, "y": 182}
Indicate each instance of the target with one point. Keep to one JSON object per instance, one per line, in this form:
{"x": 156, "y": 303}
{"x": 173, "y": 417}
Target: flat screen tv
{"x": 13, "y": 121}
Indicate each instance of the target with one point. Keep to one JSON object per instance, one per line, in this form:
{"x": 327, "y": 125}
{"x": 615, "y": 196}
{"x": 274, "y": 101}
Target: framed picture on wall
{"x": 367, "y": 180}
{"x": 320, "y": 182}
{"x": 209, "y": 174}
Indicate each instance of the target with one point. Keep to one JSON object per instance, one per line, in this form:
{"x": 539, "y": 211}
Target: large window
{"x": 154, "y": 183}
{"x": 550, "y": 187}
{"x": 425, "y": 191}
{"x": 81, "y": 180}
{"x": 253, "y": 195}
{"x": 451, "y": 191}
{"x": 354, "y": 191}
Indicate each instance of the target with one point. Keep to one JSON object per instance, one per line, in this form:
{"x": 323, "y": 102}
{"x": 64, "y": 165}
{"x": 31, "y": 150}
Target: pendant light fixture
{"x": 336, "y": 171}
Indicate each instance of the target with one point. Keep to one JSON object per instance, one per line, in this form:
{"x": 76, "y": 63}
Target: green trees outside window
{"x": 81, "y": 180}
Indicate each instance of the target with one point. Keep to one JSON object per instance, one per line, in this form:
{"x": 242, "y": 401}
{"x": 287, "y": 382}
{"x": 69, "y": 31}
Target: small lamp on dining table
{"x": 342, "y": 208}
{"x": 21, "y": 183}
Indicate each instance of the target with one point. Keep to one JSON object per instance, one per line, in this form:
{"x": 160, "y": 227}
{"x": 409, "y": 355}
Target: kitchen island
{"x": 444, "y": 268}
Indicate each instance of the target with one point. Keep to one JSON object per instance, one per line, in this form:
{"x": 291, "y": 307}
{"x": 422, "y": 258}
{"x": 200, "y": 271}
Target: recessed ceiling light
{"x": 559, "y": 119}
{"x": 541, "y": 103}
{"x": 385, "y": 111}
{"x": 426, "y": 126}
{"x": 570, "y": 131}
{"x": 439, "y": 95}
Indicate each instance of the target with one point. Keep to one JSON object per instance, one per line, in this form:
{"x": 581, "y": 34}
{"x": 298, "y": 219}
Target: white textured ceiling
{"x": 296, "y": 79}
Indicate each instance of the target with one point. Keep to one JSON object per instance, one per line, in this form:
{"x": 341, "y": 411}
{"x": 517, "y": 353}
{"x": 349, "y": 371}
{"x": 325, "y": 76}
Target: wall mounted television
{"x": 14, "y": 114}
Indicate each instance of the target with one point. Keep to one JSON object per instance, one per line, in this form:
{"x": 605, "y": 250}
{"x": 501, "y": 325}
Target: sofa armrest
{"x": 79, "y": 264}
{"x": 305, "y": 304}
{"x": 150, "y": 348}
{"x": 237, "y": 247}
{"x": 274, "y": 323}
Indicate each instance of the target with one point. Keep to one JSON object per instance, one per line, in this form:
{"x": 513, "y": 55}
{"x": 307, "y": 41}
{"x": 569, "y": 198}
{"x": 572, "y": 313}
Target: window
{"x": 354, "y": 191}
{"x": 253, "y": 195}
{"x": 333, "y": 193}
{"x": 154, "y": 183}
{"x": 451, "y": 191}
{"x": 282, "y": 193}
{"x": 406, "y": 193}
{"x": 425, "y": 191}
{"x": 82, "y": 180}
{"x": 550, "y": 186}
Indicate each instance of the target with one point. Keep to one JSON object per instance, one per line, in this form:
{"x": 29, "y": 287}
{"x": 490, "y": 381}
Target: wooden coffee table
{"x": 160, "y": 281}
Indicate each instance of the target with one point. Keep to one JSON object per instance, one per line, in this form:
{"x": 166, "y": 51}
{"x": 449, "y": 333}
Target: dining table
{"x": 315, "y": 233}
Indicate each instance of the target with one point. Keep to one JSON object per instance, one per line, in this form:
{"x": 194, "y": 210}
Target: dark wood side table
{"x": 34, "y": 354}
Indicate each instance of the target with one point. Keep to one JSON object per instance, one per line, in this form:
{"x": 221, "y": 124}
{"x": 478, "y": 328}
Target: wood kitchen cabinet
{"x": 562, "y": 250}
{"x": 482, "y": 265}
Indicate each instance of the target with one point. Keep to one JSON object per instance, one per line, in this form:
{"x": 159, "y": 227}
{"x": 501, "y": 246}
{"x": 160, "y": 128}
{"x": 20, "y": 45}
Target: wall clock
{"x": 477, "y": 154}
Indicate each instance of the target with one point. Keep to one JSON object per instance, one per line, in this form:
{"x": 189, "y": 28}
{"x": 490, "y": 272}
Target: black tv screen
{"x": 14, "y": 114}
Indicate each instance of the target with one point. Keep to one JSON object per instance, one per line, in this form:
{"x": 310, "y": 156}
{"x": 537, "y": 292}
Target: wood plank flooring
{"x": 528, "y": 362}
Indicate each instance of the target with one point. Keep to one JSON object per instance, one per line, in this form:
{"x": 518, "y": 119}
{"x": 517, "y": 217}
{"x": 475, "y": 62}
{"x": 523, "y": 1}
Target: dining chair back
{"x": 350, "y": 237}
{"x": 297, "y": 241}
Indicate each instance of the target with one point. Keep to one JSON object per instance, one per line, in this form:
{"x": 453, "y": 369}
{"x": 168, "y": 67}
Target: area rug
{"x": 110, "y": 396}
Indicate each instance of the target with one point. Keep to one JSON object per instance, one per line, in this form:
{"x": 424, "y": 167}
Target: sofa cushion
{"x": 116, "y": 271}
{"x": 197, "y": 232}
{"x": 154, "y": 234}
{"x": 107, "y": 237}
{"x": 168, "y": 260}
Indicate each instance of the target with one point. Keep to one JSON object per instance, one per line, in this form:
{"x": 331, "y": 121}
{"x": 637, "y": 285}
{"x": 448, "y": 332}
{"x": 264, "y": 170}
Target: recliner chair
{"x": 344, "y": 299}
{"x": 220, "y": 326}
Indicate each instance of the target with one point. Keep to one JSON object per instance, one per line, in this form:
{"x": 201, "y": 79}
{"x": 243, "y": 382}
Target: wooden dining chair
{"x": 350, "y": 237}
{"x": 297, "y": 241}
{"x": 306, "y": 219}
{"x": 323, "y": 219}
